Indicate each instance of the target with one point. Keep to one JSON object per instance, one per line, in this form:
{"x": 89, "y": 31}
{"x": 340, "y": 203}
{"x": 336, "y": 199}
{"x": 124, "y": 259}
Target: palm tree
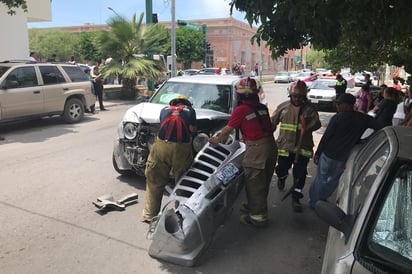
{"x": 130, "y": 45}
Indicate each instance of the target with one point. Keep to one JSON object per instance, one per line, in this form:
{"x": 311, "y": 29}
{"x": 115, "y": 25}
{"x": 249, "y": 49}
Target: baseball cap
{"x": 346, "y": 98}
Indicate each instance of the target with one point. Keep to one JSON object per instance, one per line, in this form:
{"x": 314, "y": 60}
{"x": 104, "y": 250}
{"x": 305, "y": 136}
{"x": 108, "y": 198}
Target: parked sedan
{"x": 322, "y": 94}
{"x": 371, "y": 221}
{"x": 282, "y": 77}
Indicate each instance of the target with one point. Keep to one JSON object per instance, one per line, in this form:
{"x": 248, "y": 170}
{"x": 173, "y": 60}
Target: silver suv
{"x": 30, "y": 90}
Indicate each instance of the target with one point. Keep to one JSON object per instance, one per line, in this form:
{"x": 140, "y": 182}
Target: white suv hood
{"x": 150, "y": 113}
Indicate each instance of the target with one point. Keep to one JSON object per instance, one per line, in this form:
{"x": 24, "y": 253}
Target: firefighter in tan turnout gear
{"x": 297, "y": 119}
{"x": 172, "y": 150}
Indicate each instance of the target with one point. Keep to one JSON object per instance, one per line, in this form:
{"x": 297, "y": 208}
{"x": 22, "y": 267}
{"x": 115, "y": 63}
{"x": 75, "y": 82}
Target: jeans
{"x": 326, "y": 180}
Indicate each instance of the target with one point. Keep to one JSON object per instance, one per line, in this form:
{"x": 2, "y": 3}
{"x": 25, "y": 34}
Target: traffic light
{"x": 181, "y": 22}
{"x": 208, "y": 46}
{"x": 154, "y": 18}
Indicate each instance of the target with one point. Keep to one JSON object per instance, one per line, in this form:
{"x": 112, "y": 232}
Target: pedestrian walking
{"x": 171, "y": 151}
{"x": 98, "y": 86}
{"x": 343, "y": 132}
{"x": 253, "y": 119}
{"x": 298, "y": 119}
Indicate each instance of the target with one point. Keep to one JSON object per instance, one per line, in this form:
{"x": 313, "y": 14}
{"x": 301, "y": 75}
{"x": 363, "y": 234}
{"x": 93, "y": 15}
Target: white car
{"x": 213, "y": 98}
{"x": 282, "y": 77}
{"x": 322, "y": 94}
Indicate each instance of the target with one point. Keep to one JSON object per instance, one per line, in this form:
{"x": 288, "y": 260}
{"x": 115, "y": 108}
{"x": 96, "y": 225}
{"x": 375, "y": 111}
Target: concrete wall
{"x": 13, "y": 31}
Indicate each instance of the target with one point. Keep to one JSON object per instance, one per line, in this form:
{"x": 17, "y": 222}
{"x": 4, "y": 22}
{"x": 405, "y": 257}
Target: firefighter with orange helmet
{"x": 297, "y": 119}
{"x": 172, "y": 150}
{"x": 253, "y": 119}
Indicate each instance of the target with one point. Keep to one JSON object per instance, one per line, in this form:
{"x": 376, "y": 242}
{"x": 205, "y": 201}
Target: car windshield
{"x": 207, "y": 96}
{"x": 282, "y": 74}
{"x": 391, "y": 237}
{"x": 322, "y": 85}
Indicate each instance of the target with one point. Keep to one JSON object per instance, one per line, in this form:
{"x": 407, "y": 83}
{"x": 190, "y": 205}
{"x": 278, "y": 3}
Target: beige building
{"x": 14, "y": 31}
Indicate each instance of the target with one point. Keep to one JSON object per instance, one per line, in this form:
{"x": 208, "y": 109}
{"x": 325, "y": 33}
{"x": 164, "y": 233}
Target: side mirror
{"x": 335, "y": 217}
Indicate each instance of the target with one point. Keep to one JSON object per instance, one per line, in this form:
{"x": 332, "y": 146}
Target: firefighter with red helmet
{"x": 172, "y": 150}
{"x": 253, "y": 119}
{"x": 297, "y": 119}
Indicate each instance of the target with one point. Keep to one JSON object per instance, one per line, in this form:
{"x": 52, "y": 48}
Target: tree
{"x": 317, "y": 59}
{"x": 130, "y": 46}
{"x": 189, "y": 46}
{"x": 359, "y": 28}
{"x": 47, "y": 42}
{"x": 14, "y": 4}
{"x": 88, "y": 47}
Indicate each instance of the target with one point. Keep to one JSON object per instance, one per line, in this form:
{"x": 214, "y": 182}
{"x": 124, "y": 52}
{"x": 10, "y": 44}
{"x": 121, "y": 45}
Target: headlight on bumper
{"x": 130, "y": 131}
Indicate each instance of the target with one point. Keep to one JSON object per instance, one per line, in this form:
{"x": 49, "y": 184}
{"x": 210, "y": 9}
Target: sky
{"x": 79, "y": 12}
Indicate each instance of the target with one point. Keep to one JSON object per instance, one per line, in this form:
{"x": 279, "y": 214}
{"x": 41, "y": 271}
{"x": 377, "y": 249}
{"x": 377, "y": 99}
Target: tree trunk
{"x": 128, "y": 90}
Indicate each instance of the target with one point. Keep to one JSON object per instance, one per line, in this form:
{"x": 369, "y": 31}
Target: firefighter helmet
{"x": 298, "y": 88}
{"x": 180, "y": 99}
{"x": 247, "y": 86}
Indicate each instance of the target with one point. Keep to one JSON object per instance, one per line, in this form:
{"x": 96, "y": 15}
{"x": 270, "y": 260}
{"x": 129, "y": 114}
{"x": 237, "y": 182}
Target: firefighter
{"x": 298, "y": 118}
{"x": 172, "y": 150}
{"x": 253, "y": 119}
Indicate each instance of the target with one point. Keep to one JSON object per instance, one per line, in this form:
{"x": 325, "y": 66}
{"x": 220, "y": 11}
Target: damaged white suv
{"x": 213, "y": 98}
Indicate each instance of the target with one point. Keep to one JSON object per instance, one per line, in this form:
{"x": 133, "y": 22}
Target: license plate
{"x": 228, "y": 173}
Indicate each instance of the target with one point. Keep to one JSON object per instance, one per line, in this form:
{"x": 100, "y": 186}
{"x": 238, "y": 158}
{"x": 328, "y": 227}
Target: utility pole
{"x": 149, "y": 12}
{"x": 173, "y": 34}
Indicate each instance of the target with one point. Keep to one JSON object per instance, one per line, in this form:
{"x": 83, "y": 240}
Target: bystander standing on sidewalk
{"x": 98, "y": 86}
{"x": 343, "y": 132}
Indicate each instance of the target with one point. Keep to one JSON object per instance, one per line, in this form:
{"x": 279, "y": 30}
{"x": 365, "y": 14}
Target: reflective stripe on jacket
{"x": 288, "y": 117}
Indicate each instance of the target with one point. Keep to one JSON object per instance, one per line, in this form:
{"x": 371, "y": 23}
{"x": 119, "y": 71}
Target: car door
{"x": 23, "y": 96}
{"x": 54, "y": 88}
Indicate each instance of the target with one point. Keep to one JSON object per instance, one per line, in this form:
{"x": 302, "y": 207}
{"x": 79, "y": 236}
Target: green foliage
{"x": 14, "y": 4}
{"x": 189, "y": 46}
{"x": 89, "y": 50}
{"x": 131, "y": 46}
{"x": 47, "y": 42}
{"x": 317, "y": 59}
{"x": 363, "y": 33}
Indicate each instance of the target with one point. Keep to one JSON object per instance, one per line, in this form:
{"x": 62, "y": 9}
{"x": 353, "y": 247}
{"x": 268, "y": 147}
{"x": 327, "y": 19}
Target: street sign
{"x": 192, "y": 26}
{"x": 297, "y": 59}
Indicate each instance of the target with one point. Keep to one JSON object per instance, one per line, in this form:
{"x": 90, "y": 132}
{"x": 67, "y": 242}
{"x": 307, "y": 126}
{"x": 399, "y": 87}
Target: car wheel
{"x": 73, "y": 111}
{"x": 121, "y": 171}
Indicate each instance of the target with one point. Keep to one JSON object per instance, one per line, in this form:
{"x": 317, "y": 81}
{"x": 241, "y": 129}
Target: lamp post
{"x": 112, "y": 10}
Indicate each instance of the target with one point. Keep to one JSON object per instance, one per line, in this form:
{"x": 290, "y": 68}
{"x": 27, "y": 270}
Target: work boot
{"x": 281, "y": 183}
{"x": 296, "y": 205}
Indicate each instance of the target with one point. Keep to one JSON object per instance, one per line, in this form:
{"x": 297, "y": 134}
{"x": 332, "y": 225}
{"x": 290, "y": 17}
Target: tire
{"x": 121, "y": 171}
{"x": 73, "y": 111}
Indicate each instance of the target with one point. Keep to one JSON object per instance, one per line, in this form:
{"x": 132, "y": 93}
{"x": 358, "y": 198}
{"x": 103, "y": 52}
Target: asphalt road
{"x": 51, "y": 172}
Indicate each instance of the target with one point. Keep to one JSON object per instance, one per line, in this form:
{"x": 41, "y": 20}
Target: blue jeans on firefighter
{"x": 326, "y": 180}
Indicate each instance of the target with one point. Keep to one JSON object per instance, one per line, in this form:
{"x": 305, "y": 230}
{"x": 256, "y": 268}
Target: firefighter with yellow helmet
{"x": 253, "y": 119}
{"x": 297, "y": 119}
{"x": 172, "y": 150}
